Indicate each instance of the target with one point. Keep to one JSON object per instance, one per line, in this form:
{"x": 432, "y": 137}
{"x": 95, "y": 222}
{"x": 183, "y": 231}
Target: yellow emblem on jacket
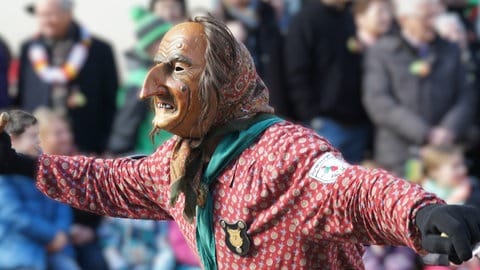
{"x": 236, "y": 237}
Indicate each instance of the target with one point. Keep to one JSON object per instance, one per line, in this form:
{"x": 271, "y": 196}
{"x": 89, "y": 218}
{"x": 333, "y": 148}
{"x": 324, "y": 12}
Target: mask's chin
{"x": 188, "y": 126}
{"x": 166, "y": 120}
{"x": 181, "y": 121}
{"x": 166, "y": 113}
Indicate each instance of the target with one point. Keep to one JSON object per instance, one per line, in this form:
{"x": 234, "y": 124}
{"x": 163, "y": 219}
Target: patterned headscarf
{"x": 244, "y": 96}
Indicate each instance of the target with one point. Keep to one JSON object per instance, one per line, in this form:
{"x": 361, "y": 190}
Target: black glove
{"x": 461, "y": 224}
{"x": 13, "y": 163}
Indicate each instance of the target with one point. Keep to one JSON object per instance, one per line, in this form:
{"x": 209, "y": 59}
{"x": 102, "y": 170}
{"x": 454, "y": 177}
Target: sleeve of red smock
{"x": 380, "y": 206}
{"x": 116, "y": 187}
{"x": 331, "y": 200}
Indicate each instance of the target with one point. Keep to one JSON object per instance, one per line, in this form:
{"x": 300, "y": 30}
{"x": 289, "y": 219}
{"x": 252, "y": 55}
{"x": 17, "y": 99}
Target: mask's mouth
{"x": 164, "y": 103}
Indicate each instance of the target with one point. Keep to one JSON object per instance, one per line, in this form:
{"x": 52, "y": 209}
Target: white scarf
{"x": 69, "y": 70}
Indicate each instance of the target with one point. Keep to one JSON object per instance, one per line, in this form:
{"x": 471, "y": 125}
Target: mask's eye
{"x": 178, "y": 68}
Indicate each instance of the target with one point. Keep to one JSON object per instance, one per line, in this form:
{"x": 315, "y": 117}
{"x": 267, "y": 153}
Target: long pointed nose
{"x": 154, "y": 83}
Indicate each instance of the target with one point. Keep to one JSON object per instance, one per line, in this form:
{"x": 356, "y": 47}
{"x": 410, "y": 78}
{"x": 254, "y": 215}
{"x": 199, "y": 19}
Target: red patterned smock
{"x": 305, "y": 208}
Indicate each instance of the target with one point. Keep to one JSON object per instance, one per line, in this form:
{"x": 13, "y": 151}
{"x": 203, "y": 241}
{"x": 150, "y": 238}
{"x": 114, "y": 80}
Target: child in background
{"x": 33, "y": 228}
{"x": 134, "y": 244}
{"x": 56, "y": 137}
{"x": 55, "y": 133}
{"x": 446, "y": 176}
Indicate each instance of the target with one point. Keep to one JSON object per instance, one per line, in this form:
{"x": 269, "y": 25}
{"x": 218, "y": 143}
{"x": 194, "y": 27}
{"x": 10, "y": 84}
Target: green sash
{"x": 231, "y": 146}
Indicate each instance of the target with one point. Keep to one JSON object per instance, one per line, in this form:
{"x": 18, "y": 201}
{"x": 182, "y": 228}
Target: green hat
{"x": 149, "y": 28}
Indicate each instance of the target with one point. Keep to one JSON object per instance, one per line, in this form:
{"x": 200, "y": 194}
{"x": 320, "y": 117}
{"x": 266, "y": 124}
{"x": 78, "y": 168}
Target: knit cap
{"x": 149, "y": 28}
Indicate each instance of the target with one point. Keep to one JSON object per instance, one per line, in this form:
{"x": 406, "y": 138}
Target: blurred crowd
{"x": 393, "y": 84}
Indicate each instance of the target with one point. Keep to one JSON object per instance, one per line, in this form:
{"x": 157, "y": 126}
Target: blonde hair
{"x": 434, "y": 156}
{"x": 45, "y": 116}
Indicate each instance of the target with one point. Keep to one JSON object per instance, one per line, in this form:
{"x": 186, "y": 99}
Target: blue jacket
{"x": 28, "y": 222}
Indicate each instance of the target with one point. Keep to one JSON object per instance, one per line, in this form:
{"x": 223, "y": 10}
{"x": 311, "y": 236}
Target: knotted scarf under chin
{"x": 189, "y": 160}
{"x": 185, "y": 169}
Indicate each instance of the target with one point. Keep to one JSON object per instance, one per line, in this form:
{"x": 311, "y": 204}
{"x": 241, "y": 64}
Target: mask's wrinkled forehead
{"x": 185, "y": 42}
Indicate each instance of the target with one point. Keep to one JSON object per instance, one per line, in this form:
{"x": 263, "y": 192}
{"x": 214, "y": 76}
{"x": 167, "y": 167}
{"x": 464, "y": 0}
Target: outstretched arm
{"x": 382, "y": 207}
{"x": 344, "y": 203}
{"x": 116, "y": 187}
{"x": 355, "y": 204}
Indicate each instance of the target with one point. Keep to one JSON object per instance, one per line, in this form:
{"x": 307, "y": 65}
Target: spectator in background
{"x": 134, "y": 244}
{"x": 446, "y": 175}
{"x": 373, "y": 18}
{"x": 55, "y": 133}
{"x": 391, "y": 258}
{"x": 467, "y": 11}
{"x": 56, "y": 138}
{"x": 4, "y": 68}
{"x": 284, "y": 10}
{"x": 171, "y": 11}
{"x": 258, "y": 20}
{"x": 66, "y": 68}
{"x": 133, "y": 120}
{"x": 324, "y": 75}
{"x": 184, "y": 257}
{"x": 33, "y": 228}
{"x": 450, "y": 27}
{"x": 254, "y": 23}
{"x": 416, "y": 90}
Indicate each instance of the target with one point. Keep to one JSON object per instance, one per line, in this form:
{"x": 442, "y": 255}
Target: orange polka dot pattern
{"x": 294, "y": 221}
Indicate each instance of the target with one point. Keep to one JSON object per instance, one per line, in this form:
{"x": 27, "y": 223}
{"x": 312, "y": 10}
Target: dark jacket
{"x": 324, "y": 76}
{"x": 97, "y": 80}
{"x": 405, "y": 107}
{"x": 265, "y": 44}
{"x": 474, "y": 198}
{"x": 4, "y": 67}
